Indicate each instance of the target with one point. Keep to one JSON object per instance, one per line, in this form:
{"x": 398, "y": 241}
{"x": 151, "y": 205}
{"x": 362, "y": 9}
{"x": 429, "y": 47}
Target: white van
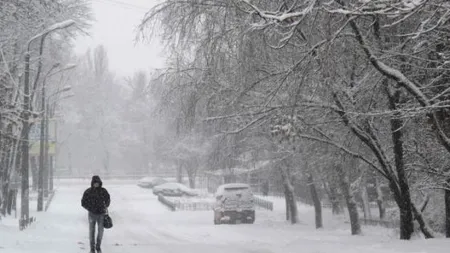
{"x": 234, "y": 202}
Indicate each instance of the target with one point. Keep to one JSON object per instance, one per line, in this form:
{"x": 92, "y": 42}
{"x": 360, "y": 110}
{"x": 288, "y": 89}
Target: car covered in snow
{"x": 174, "y": 190}
{"x": 150, "y": 182}
{"x": 234, "y": 202}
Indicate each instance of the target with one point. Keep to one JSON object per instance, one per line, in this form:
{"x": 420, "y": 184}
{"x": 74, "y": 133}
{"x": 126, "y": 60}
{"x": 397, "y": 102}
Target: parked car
{"x": 234, "y": 202}
{"x": 150, "y": 182}
{"x": 174, "y": 190}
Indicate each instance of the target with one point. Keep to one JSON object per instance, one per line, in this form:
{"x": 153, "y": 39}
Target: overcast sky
{"x": 115, "y": 27}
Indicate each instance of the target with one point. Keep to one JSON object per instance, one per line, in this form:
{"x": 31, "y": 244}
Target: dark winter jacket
{"x": 96, "y": 199}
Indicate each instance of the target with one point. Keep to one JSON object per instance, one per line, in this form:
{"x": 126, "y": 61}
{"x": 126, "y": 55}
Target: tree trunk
{"x": 291, "y": 204}
{"x": 404, "y": 205}
{"x": 292, "y": 207}
{"x": 191, "y": 176}
{"x": 350, "y": 200}
{"x": 336, "y": 208}
{"x": 14, "y": 202}
{"x": 191, "y": 171}
{"x": 365, "y": 198}
{"x": 423, "y": 225}
{"x": 406, "y": 223}
{"x": 180, "y": 173}
{"x": 316, "y": 200}
{"x": 3, "y": 183}
{"x": 380, "y": 202}
{"x": 4, "y": 196}
{"x": 288, "y": 215}
{"x": 265, "y": 188}
{"x": 447, "y": 209}
{"x": 11, "y": 196}
{"x": 332, "y": 193}
{"x": 106, "y": 158}
{"x": 8, "y": 150}
{"x": 106, "y": 162}
{"x": 402, "y": 188}
{"x": 34, "y": 173}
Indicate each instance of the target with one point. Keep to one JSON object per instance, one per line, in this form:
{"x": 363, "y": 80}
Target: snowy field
{"x": 142, "y": 224}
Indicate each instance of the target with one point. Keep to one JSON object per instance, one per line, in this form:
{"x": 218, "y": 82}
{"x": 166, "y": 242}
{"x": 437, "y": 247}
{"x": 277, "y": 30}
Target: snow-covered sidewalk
{"x": 142, "y": 224}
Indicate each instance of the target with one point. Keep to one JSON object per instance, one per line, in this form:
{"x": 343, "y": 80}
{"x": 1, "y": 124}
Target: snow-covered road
{"x": 142, "y": 224}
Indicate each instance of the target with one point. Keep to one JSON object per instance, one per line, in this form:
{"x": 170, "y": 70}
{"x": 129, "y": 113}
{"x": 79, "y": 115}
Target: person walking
{"x": 96, "y": 201}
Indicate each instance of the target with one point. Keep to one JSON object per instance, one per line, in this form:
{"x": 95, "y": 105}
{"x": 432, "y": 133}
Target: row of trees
{"x": 34, "y": 43}
{"x": 107, "y": 125}
{"x": 335, "y": 93}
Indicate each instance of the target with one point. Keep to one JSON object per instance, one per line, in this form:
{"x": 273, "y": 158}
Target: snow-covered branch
{"x": 283, "y": 16}
{"x": 402, "y": 80}
{"x": 346, "y": 150}
{"x": 54, "y": 27}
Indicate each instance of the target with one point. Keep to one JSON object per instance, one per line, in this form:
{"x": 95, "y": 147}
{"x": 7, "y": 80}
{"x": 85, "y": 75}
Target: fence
{"x": 166, "y": 202}
{"x": 327, "y": 205}
{"x": 194, "y": 206}
{"x": 205, "y": 206}
{"x": 372, "y": 222}
{"x": 263, "y": 203}
{"x": 382, "y": 223}
{"x": 186, "y": 206}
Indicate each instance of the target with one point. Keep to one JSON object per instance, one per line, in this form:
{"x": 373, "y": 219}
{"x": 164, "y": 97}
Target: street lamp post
{"x": 25, "y": 205}
{"x": 24, "y": 209}
{"x": 49, "y": 163}
{"x": 42, "y": 165}
{"x": 43, "y": 179}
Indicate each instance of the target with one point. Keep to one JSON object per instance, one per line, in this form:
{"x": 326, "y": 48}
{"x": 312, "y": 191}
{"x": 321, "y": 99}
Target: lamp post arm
{"x": 42, "y": 36}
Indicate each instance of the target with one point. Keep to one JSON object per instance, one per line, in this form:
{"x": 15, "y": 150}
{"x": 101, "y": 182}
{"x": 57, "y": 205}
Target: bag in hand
{"x": 107, "y": 221}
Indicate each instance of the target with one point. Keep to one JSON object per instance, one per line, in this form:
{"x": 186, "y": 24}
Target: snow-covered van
{"x": 234, "y": 202}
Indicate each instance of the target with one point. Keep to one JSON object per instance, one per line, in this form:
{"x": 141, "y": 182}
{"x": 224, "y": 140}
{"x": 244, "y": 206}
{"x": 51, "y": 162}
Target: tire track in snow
{"x": 137, "y": 214}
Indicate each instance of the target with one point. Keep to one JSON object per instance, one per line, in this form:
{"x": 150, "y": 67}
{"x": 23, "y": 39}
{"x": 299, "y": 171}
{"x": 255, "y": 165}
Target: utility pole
{"x": 49, "y": 113}
{"x": 40, "y": 202}
{"x": 43, "y": 170}
{"x": 24, "y": 209}
{"x": 47, "y": 161}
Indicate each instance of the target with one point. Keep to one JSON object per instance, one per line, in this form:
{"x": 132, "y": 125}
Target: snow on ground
{"x": 142, "y": 224}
